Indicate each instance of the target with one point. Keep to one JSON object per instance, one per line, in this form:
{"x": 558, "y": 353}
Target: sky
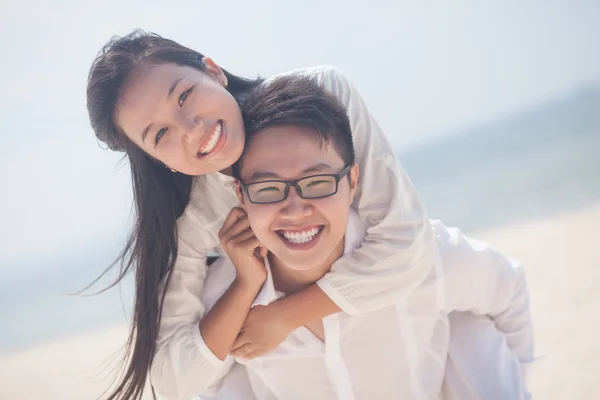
{"x": 426, "y": 69}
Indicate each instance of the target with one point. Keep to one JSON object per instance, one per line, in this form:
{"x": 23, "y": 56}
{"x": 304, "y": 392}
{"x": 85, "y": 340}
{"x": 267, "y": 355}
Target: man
{"x": 296, "y": 183}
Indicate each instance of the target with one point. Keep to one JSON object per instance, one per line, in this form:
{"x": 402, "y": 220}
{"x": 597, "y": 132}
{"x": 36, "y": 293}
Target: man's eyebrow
{"x": 258, "y": 175}
{"x": 320, "y": 167}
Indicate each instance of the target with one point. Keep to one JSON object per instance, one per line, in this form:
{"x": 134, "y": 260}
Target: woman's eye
{"x": 184, "y": 95}
{"x": 159, "y": 134}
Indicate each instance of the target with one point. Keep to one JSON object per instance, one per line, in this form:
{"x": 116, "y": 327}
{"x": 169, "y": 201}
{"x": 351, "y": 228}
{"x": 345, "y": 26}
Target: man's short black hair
{"x": 297, "y": 101}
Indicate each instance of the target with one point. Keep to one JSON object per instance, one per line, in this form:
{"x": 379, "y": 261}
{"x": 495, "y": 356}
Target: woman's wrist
{"x": 248, "y": 285}
{"x": 286, "y": 314}
{"x": 305, "y": 307}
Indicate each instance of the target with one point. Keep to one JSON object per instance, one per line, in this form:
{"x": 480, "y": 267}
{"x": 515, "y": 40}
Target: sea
{"x": 537, "y": 164}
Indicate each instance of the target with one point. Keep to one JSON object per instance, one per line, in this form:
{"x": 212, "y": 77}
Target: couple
{"x": 177, "y": 114}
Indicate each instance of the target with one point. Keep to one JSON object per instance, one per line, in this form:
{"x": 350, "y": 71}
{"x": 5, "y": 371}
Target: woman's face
{"x": 183, "y": 117}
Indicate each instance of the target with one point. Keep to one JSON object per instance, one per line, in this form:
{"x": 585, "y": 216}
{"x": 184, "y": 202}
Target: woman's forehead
{"x": 146, "y": 90}
{"x": 158, "y": 78}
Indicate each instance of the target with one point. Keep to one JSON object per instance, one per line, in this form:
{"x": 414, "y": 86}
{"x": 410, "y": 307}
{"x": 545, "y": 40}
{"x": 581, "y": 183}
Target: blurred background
{"x": 494, "y": 109}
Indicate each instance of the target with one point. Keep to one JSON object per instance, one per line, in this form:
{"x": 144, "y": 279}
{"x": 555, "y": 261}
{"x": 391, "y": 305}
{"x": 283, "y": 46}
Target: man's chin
{"x": 304, "y": 263}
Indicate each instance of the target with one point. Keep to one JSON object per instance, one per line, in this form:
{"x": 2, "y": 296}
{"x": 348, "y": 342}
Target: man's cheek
{"x": 260, "y": 228}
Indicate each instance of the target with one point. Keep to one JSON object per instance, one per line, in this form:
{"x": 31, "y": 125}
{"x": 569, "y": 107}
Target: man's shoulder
{"x": 327, "y": 76}
{"x": 313, "y": 71}
{"x": 218, "y": 279}
{"x": 355, "y": 232}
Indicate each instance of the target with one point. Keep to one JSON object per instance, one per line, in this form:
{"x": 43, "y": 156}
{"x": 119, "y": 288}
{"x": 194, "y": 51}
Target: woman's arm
{"x": 267, "y": 326}
{"x": 222, "y": 324}
{"x": 397, "y": 253}
{"x": 183, "y": 365}
{"x": 399, "y": 249}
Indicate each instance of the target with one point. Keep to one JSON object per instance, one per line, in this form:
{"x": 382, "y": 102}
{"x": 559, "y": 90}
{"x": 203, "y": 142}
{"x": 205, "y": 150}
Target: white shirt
{"x": 395, "y": 257}
{"x": 396, "y": 352}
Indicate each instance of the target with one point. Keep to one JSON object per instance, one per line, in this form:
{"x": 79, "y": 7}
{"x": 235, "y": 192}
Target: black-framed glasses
{"x": 309, "y": 187}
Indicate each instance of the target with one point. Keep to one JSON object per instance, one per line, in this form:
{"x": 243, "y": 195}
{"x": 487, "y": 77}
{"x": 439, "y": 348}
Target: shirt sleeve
{"x": 399, "y": 249}
{"x": 481, "y": 280}
{"x": 222, "y": 378}
{"x": 234, "y": 384}
{"x": 183, "y": 365}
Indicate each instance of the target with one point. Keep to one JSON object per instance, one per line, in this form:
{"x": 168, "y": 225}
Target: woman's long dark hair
{"x": 160, "y": 195}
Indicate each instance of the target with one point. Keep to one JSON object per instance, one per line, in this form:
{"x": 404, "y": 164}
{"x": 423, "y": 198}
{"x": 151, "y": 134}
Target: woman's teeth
{"x": 301, "y": 237}
{"x": 212, "y": 142}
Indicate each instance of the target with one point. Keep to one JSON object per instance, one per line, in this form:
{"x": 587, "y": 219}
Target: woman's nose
{"x": 193, "y": 130}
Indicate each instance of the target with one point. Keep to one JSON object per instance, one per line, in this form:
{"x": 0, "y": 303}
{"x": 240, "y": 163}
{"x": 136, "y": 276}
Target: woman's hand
{"x": 264, "y": 329}
{"x": 243, "y": 248}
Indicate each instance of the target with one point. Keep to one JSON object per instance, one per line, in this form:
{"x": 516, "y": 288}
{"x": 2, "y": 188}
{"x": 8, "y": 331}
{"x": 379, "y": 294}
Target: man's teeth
{"x": 301, "y": 237}
{"x": 207, "y": 148}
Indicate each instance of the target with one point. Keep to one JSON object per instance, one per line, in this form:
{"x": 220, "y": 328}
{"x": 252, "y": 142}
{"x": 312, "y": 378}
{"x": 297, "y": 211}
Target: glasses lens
{"x": 266, "y": 192}
{"x": 318, "y": 186}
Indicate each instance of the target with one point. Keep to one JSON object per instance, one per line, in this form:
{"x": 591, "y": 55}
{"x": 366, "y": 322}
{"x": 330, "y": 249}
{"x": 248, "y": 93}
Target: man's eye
{"x": 184, "y": 95}
{"x": 319, "y": 182}
{"x": 268, "y": 189}
{"x": 159, "y": 135}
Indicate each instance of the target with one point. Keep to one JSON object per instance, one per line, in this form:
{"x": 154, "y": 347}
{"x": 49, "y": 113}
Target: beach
{"x": 562, "y": 260}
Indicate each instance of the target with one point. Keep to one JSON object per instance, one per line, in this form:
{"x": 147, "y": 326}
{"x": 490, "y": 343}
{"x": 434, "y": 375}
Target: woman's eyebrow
{"x": 170, "y": 92}
{"x": 173, "y": 87}
{"x": 145, "y": 132}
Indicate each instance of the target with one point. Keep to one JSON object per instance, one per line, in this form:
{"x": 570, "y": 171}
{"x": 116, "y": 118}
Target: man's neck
{"x": 289, "y": 281}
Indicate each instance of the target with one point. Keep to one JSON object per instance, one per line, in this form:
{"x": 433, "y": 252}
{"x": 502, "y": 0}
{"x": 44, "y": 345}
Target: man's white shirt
{"x": 397, "y": 352}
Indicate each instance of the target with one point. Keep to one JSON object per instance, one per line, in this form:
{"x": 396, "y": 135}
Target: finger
{"x": 242, "y": 236}
{"x": 254, "y": 354}
{"x": 233, "y": 225}
{"x": 238, "y": 227}
{"x": 264, "y": 252}
{"x": 243, "y": 350}
{"x": 239, "y": 341}
{"x": 251, "y": 243}
{"x": 235, "y": 214}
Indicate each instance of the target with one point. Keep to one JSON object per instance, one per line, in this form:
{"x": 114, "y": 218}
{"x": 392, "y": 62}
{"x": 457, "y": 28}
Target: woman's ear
{"x": 215, "y": 71}
{"x": 240, "y": 193}
{"x": 353, "y": 173}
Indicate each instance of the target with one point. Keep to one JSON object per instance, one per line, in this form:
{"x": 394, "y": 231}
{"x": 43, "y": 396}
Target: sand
{"x": 562, "y": 257}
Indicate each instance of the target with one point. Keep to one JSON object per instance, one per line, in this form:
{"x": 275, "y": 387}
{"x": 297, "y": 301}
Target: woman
{"x": 176, "y": 115}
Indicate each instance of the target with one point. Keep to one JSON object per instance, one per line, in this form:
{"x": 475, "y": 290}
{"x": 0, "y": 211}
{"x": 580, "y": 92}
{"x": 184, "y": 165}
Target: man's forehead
{"x": 288, "y": 139}
{"x": 287, "y": 166}
{"x": 286, "y": 150}
{"x": 277, "y": 166}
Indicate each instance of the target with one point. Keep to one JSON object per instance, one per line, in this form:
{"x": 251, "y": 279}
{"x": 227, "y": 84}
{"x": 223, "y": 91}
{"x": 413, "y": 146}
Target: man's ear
{"x": 240, "y": 194}
{"x": 353, "y": 173}
{"x": 215, "y": 71}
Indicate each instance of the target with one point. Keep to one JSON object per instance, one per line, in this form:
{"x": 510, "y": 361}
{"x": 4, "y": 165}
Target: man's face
{"x": 302, "y": 233}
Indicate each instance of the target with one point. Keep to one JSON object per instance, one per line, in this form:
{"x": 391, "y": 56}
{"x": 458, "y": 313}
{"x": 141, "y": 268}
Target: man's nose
{"x": 295, "y": 207}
